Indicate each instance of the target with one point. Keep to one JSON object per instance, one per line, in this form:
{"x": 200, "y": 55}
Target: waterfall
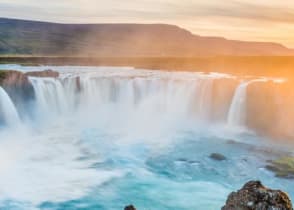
{"x": 237, "y": 112}
{"x": 136, "y": 95}
{"x": 126, "y": 96}
{"x": 50, "y": 95}
{"x": 8, "y": 112}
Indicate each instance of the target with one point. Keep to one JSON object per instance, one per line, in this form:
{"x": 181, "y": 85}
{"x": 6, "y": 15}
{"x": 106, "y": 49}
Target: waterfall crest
{"x": 156, "y": 96}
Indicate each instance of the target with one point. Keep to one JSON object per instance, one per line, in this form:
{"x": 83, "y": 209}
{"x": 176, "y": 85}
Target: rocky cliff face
{"x": 255, "y": 196}
{"x": 12, "y": 78}
{"x": 270, "y": 108}
{"x": 222, "y": 91}
{"x": 18, "y": 79}
{"x": 18, "y": 86}
{"x": 46, "y": 73}
{"x": 269, "y": 105}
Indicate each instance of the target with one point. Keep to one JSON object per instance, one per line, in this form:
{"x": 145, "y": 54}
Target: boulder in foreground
{"x": 255, "y": 196}
{"x": 130, "y": 207}
{"x": 217, "y": 156}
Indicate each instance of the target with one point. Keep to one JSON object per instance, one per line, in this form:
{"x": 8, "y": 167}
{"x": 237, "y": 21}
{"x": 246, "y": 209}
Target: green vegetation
{"x": 282, "y": 167}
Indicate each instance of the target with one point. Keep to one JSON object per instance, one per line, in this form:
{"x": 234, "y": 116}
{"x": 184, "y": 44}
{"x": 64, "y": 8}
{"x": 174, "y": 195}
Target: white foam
{"x": 46, "y": 167}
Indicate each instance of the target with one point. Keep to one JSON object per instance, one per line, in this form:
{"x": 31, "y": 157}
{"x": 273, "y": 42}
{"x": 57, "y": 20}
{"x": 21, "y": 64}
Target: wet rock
{"x": 19, "y": 88}
{"x": 12, "y": 78}
{"x": 17, "y": 78}
{"x": 255, "y": 196}
{"x": 46, "y": 73}
{"x": 282, "y": 167}
{"x": 182, "y": 160}
{"x": 231, "y": 141}
{"x": 130, "y": 207}
{"x": 217, "y": 156}
{"x": 17, "y": 85}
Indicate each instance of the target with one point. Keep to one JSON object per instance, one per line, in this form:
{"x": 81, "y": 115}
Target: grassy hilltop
{"x": 21, "y": 37}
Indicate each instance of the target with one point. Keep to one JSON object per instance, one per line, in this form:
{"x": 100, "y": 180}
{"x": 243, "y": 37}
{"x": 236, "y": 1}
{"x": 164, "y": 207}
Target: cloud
{"x": 154, "y": 10}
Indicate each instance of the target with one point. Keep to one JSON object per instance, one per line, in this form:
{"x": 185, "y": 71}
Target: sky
{"x": 252, "y": 20}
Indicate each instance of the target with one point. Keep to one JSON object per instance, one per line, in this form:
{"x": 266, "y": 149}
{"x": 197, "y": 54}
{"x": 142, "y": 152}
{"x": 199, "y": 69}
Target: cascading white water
{"x": 125, "y": 96}
{"x": 237, "y": 112}
{"x": 8, "y": 110}
{"x": 50, "y": 95}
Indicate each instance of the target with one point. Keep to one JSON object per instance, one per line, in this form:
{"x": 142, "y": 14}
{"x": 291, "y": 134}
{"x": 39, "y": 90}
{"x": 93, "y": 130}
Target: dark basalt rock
{"x": 255, "y": 196}
{"x": 130, "y": 207}
{"x": 217, "y": 156}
